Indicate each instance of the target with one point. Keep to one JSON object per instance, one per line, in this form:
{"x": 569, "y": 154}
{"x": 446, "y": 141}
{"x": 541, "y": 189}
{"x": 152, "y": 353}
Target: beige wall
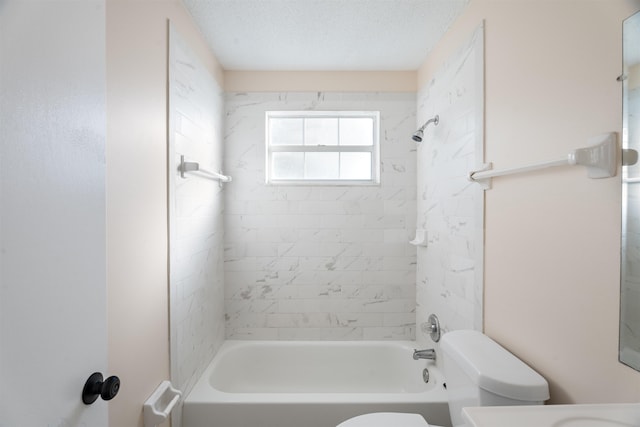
{"x": 137, "y": 195}
{"x": 552, "y": 238}
{"x": 320, "y": 81}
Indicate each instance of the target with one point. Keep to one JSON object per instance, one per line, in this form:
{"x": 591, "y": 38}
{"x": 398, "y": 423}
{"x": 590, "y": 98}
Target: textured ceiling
{"x": 323, "y": 34}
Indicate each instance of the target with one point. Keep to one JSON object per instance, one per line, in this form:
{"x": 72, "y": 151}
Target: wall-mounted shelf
{"x": 420, "y": 239}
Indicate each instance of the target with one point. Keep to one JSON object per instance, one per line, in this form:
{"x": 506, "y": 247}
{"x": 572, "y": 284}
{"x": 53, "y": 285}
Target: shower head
{"x": 419, "y": 134}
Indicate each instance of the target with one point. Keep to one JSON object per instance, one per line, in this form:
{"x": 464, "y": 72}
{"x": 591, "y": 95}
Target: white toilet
{"x": 478, "y": 372}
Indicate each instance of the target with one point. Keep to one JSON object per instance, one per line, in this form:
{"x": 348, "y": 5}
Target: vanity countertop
{"x": 597, "y": 415}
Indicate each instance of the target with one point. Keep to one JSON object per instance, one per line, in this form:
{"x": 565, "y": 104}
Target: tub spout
{"x": 424, "y": 354}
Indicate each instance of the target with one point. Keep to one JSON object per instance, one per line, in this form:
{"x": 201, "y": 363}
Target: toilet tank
{"x": 480, "y": 372}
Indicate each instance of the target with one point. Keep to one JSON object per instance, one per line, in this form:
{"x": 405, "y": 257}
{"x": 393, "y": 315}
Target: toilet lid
{"x": 386, "y": 419}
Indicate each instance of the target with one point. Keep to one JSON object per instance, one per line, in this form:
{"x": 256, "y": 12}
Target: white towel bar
{"x": 195, "y": 167}
{"x": 600, "y": 159}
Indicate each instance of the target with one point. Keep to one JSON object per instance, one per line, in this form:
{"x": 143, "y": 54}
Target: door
{"x": 52, "y": 211}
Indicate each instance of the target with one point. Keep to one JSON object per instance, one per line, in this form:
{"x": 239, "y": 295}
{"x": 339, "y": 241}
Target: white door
{"x": 52, "y": 211}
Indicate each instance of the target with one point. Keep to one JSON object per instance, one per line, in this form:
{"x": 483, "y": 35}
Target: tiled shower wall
{"x": 319, "y": 262}
{"x": 195, "y": 218}
{"x": 450, "y": 207}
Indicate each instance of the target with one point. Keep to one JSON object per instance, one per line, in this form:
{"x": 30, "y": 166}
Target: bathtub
{"x": 312, "y": 384}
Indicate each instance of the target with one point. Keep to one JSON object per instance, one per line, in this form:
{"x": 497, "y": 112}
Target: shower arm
{"x": 435, "y": 120}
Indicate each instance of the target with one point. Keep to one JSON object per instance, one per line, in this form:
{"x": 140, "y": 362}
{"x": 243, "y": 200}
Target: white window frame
{"x": 373, "y": 149}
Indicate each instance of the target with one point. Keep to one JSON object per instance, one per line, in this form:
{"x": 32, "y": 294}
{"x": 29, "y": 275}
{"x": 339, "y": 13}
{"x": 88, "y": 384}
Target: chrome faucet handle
{"x": 432, "y": 327}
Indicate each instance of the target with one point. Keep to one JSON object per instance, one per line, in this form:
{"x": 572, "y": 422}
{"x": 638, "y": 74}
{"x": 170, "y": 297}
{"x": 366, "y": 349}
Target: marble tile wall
{"x": 319, "y": 262}
{"x": 450, "y": 208}
{"x": 195, "y": 218}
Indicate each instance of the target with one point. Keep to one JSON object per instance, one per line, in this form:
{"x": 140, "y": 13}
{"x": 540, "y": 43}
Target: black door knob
{"x": 96, "y": 386}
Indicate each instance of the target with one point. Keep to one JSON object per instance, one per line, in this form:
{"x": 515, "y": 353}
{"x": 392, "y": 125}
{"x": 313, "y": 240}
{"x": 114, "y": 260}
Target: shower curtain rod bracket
{"x": 187, "y": 167}
{"x": 485, "y": 183}
{"x": 600, "y": 158}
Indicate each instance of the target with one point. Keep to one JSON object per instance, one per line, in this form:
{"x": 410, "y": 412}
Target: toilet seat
{"x": 386, "y": 419}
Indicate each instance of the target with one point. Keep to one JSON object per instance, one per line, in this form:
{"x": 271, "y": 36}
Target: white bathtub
{"x": 312, "y": 384}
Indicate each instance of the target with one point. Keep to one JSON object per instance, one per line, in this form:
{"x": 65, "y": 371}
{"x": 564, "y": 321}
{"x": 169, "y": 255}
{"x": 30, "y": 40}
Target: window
{"x": 322, "y": 147}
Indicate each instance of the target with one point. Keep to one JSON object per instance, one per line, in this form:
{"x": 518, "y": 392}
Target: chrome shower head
{"x": 419, "y": 134}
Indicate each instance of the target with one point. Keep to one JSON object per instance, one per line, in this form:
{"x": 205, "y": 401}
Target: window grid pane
{"x": 286, "y": 131}
{"x": 288, "y": 165}
{"x": 321, "y": 131}
{"x": 322, "y": 166}
{"x": 356, "y": 166}
{"x": 356, "y": 131}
